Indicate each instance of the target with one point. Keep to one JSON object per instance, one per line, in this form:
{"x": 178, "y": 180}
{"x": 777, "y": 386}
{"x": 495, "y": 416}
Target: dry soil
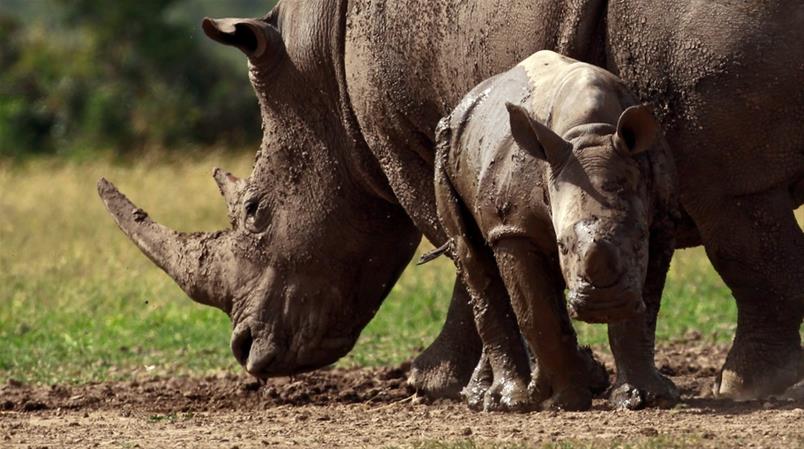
{"x": 375, "y": 408}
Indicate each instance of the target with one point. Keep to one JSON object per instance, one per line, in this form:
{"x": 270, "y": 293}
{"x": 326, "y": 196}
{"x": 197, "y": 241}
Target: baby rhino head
{"x": 600, "y": 207}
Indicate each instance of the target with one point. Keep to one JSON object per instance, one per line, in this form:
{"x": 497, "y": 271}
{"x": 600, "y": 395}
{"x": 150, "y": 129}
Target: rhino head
{"x": 316, "y": 242}
{"x": 601, "y": 207}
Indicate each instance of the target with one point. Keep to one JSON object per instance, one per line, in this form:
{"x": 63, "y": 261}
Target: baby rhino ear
{"x": 535, "y": 138}
{"x": 637, "y": 130}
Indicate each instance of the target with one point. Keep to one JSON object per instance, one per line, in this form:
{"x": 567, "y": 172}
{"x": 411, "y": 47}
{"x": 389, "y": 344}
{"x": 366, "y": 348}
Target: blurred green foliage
{"x": 79, "y": 77}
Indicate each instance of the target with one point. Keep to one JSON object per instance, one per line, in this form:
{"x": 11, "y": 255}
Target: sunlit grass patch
{"x": 79, "y": 302}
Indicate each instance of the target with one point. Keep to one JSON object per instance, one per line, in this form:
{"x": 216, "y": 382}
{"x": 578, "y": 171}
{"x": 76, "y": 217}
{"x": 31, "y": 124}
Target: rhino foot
{"x": 753, "y": 374}
{"x": 438, "y": 378}
{"x": 446, "y": 366}
{"x": 475, "y": 391}
{"x": 508, "y": 395}
{"x": 484, "y": 393}
{"x": 598, "y": 376}
{"x": 653, "y": 391}
{"x": 795, "y": 393}
{"x": 440, "y": 373}
{"x": 573, "y": 399}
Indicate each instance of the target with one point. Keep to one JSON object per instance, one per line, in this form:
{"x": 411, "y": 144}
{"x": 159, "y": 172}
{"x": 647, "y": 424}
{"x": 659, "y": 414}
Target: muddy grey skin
{"x": 726, "y": 94}
{"x": 551, "y": 176}
{"x": 350, "y": 95}
{"x": 315, "y": 244}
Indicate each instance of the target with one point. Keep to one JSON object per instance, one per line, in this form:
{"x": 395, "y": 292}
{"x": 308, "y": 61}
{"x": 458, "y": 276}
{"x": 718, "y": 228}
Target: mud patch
{"x": 224, "y": 392}
{"x": 375, "y": 408}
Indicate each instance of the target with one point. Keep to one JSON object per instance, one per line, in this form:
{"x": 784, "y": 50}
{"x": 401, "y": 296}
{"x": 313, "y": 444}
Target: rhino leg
{"x": 757, "y": 246}
{"x": 638, "y": 383}
{"x": 496, "y": 324}
{"x": 475, "y": 391}
{"x": 445, "y": 367}
{"x": 564, "y": 379}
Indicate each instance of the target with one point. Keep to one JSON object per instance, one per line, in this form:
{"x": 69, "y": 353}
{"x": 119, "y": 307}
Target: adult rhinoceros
{"x": 342, "y": 189}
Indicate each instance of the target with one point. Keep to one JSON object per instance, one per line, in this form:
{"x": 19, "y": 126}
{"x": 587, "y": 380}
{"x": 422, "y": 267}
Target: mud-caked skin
{"x": 350, "y": 95}
{"x": 551, "y": 175}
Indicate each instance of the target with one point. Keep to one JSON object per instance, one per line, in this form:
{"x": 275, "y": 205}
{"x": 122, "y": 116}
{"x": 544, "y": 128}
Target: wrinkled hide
{"x": 315, "y": 244}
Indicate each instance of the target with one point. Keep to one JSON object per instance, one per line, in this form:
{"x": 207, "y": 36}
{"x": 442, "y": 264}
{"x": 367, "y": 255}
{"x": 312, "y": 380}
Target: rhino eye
{"x": 251, "y": 207}
{"x": 256, "y": 216}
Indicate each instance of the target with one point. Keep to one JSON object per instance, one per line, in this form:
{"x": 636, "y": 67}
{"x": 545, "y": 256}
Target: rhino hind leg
{"x": 496, "y": 324}
{"x": 446, "y": 366}
{"x": 482, "y": 377}
{"x": 494, "y": 319}
{"x": 757, "y": 247}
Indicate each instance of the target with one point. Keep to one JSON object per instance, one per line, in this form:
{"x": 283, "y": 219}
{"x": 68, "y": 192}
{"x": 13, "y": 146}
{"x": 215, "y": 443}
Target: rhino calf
{"x": 553, "y": 176}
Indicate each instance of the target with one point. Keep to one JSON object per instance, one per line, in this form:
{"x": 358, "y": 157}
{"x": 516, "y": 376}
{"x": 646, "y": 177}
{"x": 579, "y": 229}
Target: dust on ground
{"x": 375, "y": 408}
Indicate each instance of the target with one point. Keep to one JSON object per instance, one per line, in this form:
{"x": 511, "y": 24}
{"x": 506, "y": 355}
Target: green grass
{"x": 79, "y": 303}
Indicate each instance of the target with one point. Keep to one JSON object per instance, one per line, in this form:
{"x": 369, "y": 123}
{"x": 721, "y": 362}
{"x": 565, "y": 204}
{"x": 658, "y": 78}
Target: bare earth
{"x": 374, "y": 408}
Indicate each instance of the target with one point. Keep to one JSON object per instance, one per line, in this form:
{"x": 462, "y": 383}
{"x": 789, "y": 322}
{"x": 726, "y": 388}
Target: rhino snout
{"x": 602, "y": 264}
{"x": 605, "y": 305}
{"x": 254, "y": 352}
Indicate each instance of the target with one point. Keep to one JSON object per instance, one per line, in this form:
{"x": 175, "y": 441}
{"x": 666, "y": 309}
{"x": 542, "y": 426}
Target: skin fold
{"x": 341, "y": 192}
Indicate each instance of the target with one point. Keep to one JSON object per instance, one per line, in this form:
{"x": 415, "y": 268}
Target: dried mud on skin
{"x": 372, "y": 408}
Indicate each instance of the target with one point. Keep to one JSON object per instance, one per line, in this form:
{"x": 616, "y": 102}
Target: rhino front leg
{"x": 638, "y": 384}
{"x": 446, "y": 366}
{"x": 757, "y": 246}
{"x": 565, "y": 376}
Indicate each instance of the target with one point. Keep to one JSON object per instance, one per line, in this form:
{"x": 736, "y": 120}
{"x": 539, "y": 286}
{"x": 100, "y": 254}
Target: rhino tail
{"x": 435, "y": 254}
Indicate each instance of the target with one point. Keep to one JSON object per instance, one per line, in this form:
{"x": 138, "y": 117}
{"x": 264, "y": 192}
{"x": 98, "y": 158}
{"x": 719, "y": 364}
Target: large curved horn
{"x": 192, "y": 260}
{"x": 259, "y": 40}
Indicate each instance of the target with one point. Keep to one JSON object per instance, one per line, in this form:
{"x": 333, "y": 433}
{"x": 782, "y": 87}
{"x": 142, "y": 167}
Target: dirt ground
{"x": 374, "y": 408}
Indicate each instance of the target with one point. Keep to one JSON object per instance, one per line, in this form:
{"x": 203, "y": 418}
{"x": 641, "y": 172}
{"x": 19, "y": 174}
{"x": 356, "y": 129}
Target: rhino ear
{"x": 259, "y": 40}
{"x": 535, "y": 138}
{"x": 637, "y": 130}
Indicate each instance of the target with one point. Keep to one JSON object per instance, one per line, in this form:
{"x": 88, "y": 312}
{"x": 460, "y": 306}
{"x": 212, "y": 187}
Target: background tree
{"x": 81, "y": 76}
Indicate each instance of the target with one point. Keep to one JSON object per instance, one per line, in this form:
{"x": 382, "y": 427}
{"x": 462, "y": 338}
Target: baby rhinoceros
{"x": 552, "y": 176}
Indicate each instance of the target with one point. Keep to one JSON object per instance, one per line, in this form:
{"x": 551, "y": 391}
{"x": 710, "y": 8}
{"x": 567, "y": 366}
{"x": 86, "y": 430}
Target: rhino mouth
{"x": 271, "y": 350}
{"x": 277, "y": 362}
{"x": 605, "y": 305}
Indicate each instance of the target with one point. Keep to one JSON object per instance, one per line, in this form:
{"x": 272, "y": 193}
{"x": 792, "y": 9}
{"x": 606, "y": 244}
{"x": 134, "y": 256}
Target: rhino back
{"x": 565, "y": 93}
{"x": 501, "y": 185}
{"x": 726, "y": 77}
{"x": 409, "y": 62}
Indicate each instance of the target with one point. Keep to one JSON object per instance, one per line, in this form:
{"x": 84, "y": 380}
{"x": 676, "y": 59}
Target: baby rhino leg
{"x": 565, "y": 377}
{"x": 639, "y": 384}
{"x": 500, "y": 381}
